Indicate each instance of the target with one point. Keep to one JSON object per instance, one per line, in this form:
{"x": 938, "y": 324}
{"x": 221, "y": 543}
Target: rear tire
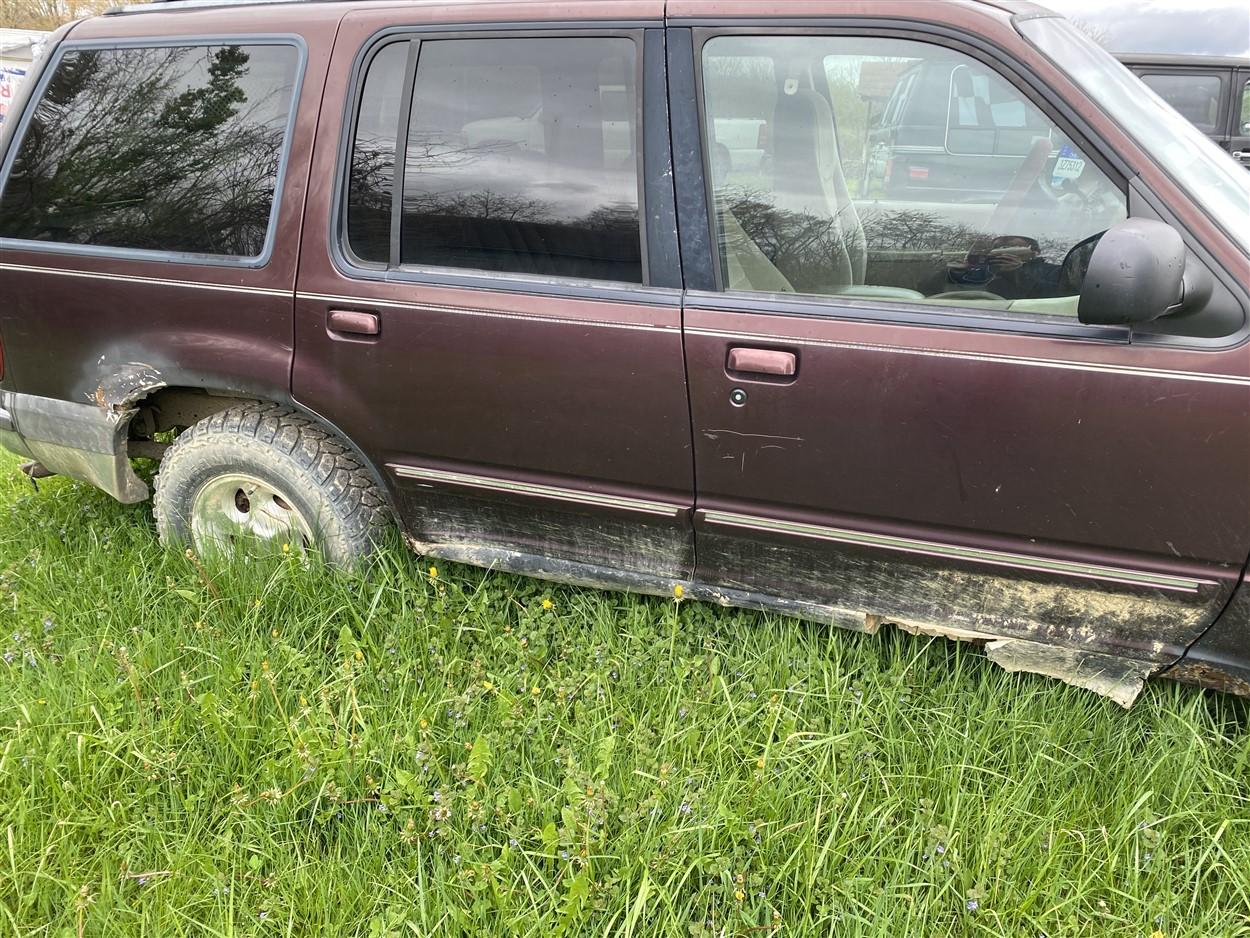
{"x": 264, "y": 473}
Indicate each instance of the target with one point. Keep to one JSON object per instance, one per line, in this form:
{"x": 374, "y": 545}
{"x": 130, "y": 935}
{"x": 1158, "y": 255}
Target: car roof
{"x": 162, "y": 18}
{"x": 555, "y": 8}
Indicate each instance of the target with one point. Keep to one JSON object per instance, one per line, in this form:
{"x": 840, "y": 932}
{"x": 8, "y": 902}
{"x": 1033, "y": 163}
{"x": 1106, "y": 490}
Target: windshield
{"x": 1214, "y": 180}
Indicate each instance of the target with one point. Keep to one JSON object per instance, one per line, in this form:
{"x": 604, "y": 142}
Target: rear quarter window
{"x": 170, "y": 148}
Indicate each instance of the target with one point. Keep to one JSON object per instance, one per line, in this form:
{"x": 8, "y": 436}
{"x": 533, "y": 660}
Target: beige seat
{"x": 807, "y": 181}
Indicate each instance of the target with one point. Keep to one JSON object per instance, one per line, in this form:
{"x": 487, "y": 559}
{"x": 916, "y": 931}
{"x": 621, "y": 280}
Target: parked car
{"x": 1212, "y": 92}
{"x": 952, "y": 129}
{"x": 484, "y": 270}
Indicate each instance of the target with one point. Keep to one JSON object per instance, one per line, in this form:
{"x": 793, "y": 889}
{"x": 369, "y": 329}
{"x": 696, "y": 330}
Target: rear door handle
{"x": 353, "y": 322}
{"x": 763, "y": 361}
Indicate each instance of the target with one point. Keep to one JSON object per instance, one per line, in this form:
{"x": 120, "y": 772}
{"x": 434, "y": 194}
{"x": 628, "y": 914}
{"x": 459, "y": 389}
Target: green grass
{"x": 279, "y": 751}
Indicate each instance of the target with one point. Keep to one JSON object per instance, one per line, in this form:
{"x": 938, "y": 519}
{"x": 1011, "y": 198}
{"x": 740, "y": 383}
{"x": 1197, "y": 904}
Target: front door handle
{"x": 763, "y": 361}
{"x": 353, "y": 321}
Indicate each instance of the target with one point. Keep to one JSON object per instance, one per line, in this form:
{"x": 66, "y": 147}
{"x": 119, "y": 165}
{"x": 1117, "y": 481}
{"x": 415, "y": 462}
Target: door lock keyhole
{"x": 738, "y": 397}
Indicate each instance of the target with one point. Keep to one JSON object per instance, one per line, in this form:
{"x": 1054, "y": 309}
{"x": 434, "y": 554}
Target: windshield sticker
{"x": 1069, "y": 165}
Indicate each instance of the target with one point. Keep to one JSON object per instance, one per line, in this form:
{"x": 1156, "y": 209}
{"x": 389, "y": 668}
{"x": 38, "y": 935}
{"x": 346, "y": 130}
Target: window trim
{"x": 256, "y": 262}
{"x": 903, "y": 311}
{"x": 349, "y": 266}
{"x": 351, "y": 125}
{"x": 1238, "y": 108}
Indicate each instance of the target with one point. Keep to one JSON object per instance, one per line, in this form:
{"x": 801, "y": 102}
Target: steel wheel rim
{"x": 239, "y": 508}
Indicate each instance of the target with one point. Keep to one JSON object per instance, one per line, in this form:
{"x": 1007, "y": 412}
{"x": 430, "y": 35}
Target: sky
{"x": 1208, "y": 27}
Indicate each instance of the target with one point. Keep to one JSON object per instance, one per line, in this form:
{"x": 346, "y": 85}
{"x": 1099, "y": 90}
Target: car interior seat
{"x": 807, "y": 181}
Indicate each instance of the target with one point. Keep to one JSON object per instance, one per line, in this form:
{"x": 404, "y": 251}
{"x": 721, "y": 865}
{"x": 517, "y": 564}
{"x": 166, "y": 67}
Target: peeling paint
{"x": 119, "y": 390}
{"x": 1120, "y": 679}
{"x": 1204, "y": 674}
{"x": 949, "y": 598}
{"x": 935, "y": 630}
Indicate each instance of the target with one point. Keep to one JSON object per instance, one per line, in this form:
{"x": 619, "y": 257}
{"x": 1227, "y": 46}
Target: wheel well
{"x": 165, "y": 412}
{"x": 172, "y": 410}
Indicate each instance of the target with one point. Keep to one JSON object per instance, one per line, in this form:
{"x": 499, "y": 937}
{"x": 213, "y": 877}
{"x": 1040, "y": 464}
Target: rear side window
{"x": 170, "y": 148}
{"x": 1196, "y": 97}
{"x": 521, "y": 157}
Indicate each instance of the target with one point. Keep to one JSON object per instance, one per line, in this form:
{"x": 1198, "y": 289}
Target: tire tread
{"x": 342, "y": 479}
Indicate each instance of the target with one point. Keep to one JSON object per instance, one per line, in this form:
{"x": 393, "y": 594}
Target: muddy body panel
{"x": 1218, "y": 659}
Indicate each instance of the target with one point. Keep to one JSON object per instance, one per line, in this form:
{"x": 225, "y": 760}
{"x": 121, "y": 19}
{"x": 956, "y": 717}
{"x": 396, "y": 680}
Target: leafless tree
{"x": 49, "y": 14}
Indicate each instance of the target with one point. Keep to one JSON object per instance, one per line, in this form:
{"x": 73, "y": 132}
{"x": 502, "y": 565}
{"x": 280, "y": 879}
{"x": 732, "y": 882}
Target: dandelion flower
{"x": 433, "y": 573}
{"x": 678, "y": 591}
{"x": 548, "y": 604}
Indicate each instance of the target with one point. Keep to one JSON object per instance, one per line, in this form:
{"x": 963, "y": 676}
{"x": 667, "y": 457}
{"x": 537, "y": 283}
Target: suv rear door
{"x": 500, "y": 332}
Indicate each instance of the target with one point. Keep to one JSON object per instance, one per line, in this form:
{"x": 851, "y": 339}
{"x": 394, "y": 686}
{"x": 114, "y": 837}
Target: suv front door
{"x": 497, "y": 323}
{"x": 896, "y": 414}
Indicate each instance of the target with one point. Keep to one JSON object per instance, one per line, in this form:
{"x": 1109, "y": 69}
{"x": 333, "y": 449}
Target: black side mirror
{"x": 1136, "y": 273}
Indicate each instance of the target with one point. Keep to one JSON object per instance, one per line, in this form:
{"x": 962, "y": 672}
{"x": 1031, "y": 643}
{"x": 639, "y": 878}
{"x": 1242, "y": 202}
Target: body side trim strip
{"x": 154, "y": 281}
{"x": 511, "y": 487}
{"x": 935, "y": 549}
{"x": 1065, "y": 364}
{"x": 490, "y": 313}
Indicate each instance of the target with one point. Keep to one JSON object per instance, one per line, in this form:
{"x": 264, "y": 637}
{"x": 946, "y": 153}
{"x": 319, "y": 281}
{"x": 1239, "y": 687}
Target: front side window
{"x": 896, "y": 170}
{"x": 171, "y": 148}
{"x": 1196, "y": 97}
{"x": 523, "y": 158}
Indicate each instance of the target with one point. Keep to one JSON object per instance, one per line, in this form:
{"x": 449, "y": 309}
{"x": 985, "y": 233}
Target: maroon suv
{"x": 629, "y": 293}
